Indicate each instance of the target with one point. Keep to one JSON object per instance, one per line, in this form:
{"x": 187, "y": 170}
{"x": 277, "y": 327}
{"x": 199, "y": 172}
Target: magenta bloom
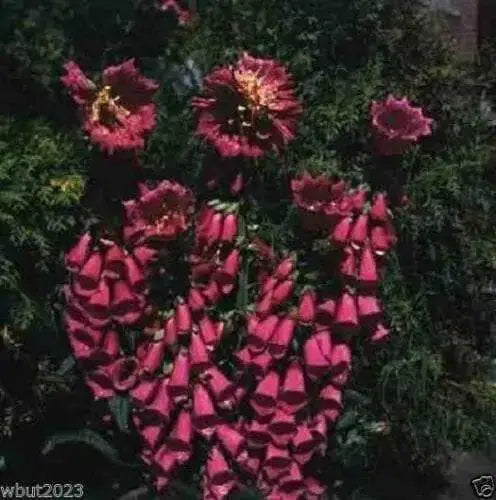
{"x": 160, "y": 214}
{"x": 321, "y": 200}
{"x": 117, "y": 114}
{"x": 183, "y": 15}
{"x": 397, "y": 124}
{"x": 249, "y": 108}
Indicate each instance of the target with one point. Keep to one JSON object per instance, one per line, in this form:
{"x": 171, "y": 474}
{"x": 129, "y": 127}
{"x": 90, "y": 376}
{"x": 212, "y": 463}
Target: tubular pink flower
{"x": 198, "y": 355}
{"x": 367, "y": 274}
{"x": 89, "y": 275}
{"x": 126, "y": 307}
{"x": 218, "y": 470}
{"x": 341, "y": 231}
{"x": 181, "y": 436}
{"x": 303, "y": 440}
{"x": 282, "y": 427}
{"x": 262, "y": 333}
{"x": 144, "y": 255}
{"x": 220, "y": 386}
{"x": 179, "y": 378}
{"x": 347, "y": 267}
{"x": 229, "y": 228}
{"x": 144, "y": 391}
{"x": 78, "y": 254}
{"x": 196, "y": 302}
{"x": 293, "y": 482}
{"x": 257, "y": 434}
{"x": 248, "y": 109}
{"x": 152, "y": 356}
{"x": 380, "y": 334}
{"x": 204, "y": 415}
{"x": 260, "y": 363}
{"x": 284, "y": 269}
{"x": 282, "y": 292}
{"x": 282, "y": 337}
{"x": 166, "y": 461}
{"x": 359, "y": 231}
{"x": 183, "y": 318}
{"x": 151, "y": 434}
{"x": 124, "y": 373}
{"x": 293, "y": 393}
{"x": 265, "y": 396}
{"x": 316, "y": 363}
{"x": 369, "y": 307}
{"x": 277, "y": 458}
{"x": 379, "y": 240}
{"x": 379, "y": 210}
{"x": 346, "y": 313}
{"x": 170, "y": 331}
{"x": 231, "y": 439}
{"x": 119, "y": 114}
{"x": 307, "y": 307}
{"x": 159, "y": 405}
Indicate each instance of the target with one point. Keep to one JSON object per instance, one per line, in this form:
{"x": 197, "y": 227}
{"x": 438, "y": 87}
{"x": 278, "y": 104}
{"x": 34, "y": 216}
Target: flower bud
{"x": 229, "y": 228}
{"x": 307, "y": 307}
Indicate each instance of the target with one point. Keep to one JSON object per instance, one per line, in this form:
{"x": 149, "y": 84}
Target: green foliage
{"x": 410, "y": 402}
{"x": 41, "y": 185}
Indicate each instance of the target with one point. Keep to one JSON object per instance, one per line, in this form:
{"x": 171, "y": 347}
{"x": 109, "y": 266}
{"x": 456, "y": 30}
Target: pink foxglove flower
{"x": 159, "y": 214}
{"x": 397, "y": 124}
{"x": 118, "y": 113}
{"x": 249, "y": 108}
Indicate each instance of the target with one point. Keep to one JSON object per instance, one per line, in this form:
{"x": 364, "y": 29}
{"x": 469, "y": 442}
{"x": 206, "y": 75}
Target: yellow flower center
{"x": 106, "y": 107}
{"x": 258, "y": 94}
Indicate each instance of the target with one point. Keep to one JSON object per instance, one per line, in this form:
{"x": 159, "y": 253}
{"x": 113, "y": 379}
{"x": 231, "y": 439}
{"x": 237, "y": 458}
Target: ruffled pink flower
{"x": 184, "y": 16}
{"x": 249, "y": 108}
{"x": 397, "y": 124}
{"x": 118, "y": 114}
{"x": 320, "y": 200}
{"x": 161, "y": 213}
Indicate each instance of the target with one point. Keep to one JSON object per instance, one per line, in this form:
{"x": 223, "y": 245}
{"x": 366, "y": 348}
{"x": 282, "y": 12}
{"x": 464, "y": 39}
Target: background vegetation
{"x": 410, "y": 404}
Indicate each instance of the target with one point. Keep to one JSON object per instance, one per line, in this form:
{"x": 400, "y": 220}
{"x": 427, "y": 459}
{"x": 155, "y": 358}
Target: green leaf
{"x": 66, "y": 366}
{"x": 89, "y": 438}
{"x": 347, "y": 420}
{"x": 120, "y": 408}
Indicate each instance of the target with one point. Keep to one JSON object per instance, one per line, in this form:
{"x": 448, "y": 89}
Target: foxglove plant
{"x": 266, "y": 417}
{"x": 118, "y": 113}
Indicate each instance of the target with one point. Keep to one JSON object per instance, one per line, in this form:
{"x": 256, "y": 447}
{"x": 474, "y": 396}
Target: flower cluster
{"x": 291, "y": 353}
{"x": 362, "y": 229}
{"x": 108, "y": 291}
{"x": 119, "y": 113}
{"x": 249, "y": 108}
{"x": 266, "y": 416}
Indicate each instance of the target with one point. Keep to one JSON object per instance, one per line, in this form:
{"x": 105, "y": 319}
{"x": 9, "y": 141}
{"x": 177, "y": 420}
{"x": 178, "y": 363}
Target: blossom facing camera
{"x": 397, "y": 124}
{"x": 248, "y": 109}
{"x": 159, "y": 214}
{"x": 119, "y": 113}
